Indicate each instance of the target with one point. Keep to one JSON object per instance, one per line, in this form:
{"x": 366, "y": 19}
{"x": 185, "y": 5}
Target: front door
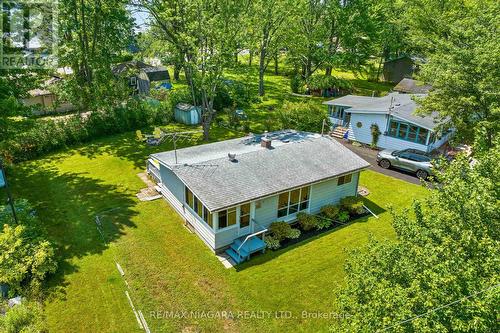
{"x": 245, "y": 220}
{"x": 346, "y": 119}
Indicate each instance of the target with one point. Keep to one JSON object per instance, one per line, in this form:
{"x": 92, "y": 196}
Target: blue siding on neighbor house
{"x": 364, "y": 135}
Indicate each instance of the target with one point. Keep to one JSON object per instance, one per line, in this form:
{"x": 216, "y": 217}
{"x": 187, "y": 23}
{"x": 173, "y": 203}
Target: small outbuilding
{"x": 402, "y": 67}
{"x": 187, "y": 114}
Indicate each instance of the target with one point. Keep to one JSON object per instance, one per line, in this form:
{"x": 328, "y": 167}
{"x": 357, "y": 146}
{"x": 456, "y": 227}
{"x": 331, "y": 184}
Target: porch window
{"x": 227, "y": 218}
{"x": 422, "y": 136}
{"x": 293, "y": 201}
{"x": 195, "y": 204}
{"x": 406, "y": 131}
{"x": 244, "y": 215}
{"x": 344, "y": 179}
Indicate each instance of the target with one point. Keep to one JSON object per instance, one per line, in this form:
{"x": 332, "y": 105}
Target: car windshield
{"x": 395, "y": 153}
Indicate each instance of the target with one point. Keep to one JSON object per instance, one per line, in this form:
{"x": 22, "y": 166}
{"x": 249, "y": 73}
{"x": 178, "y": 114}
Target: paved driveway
{"x": 370, "y": 156}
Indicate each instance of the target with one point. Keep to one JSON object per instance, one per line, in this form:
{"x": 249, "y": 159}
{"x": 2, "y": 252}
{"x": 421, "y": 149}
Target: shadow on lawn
{"x": 126, "y": 146}
{"x": 269, "y": 255}
{"x": 67, "y": 204}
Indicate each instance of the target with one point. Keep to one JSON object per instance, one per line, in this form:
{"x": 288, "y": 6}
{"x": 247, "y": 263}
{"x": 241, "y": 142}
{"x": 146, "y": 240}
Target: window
{"x": 422, "y": 136}
{"x": 344, "y": 179}
{"x": 413, "y": 133}
{"x": 402, "y": 130}
{"x": 293, "y": 201}
{"x": 244, "y": 215}
{"x": 227, "y": 218}
{"x": 393, "y": 128}
{"x": 207, "y": 216}
{"x": 195, "y": 204}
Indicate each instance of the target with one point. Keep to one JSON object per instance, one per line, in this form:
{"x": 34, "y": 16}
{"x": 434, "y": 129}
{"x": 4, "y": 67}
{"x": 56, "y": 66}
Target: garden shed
{"x": 187, "y": 114}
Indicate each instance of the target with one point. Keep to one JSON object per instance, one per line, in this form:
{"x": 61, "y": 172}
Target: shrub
{"x": 282, "y": 230}
{"x": 375, "y": 135}
{"x": 272, "y": 243}
{"x": 303, "y": 116}
{"x": 315, "y": 82}
{"x": 49, "y": 135}
{"x": 353, "y": 204}
{"x": 323, "y": 223}
{"x": 307, "y": 221}
{"x": 294, "y": 233}
{"x": 25, "y": 317}
{"x": 343, "y": 216}
{"x": 330, "y": 211}
{"x": 28, "y": 256}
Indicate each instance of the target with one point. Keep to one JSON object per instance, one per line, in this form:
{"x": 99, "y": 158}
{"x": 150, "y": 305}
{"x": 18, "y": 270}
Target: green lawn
{"x": 168, "y": 268}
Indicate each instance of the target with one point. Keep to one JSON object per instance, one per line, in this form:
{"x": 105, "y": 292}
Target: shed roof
{"x": 410, "y": 86}
{"x": 296, "y": 159}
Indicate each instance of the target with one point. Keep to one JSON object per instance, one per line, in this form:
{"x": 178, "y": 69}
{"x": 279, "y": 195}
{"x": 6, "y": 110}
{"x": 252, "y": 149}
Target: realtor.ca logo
{"x": 29, "y": 34}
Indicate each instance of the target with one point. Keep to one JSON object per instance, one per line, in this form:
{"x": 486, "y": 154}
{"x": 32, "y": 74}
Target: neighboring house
{"x": 394, "y": 114}
{"x": 45, "y": 101}
{"x": 399, "y": 68}
{"x": 233, "y": 190}
{"x": 187, "y": 114}
{"x": 140, "y": 75}
{"x": 410, "y": 86}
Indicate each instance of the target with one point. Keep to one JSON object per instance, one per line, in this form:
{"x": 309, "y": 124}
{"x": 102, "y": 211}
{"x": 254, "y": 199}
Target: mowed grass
{"x": 169, "y": 269}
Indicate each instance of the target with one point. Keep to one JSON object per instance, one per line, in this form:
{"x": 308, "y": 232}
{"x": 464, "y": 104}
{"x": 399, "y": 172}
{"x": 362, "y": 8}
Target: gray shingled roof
{"x": 403, "y": 107}
{"x": 219, "y": 183}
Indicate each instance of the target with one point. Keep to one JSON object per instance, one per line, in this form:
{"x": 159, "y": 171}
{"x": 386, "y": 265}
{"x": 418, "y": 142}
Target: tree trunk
{"x": 328, "y": 71}
{"x": 250, "y": 57}
{"x": 262, "y": 68}
{"x": 276, "y": 60}
{"x": 177, "y": 71}
{"x": 236, "y": 58}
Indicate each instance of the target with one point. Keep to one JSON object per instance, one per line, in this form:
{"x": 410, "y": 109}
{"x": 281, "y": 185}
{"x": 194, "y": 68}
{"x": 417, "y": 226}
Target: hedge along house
{"x": 229, "y": 192}
{"x": 400, "y": 128}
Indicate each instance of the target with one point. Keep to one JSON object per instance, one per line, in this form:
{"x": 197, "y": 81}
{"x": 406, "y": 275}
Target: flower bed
{"x": 282, "y": 234}
{"x": 314, "y": 232}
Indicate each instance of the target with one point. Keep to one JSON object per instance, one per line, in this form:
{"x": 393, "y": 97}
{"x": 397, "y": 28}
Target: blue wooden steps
{"x": 252, "y": 245}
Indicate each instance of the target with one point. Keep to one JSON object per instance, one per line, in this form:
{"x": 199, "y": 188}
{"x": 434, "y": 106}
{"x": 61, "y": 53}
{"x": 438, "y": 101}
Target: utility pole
{"x": 4, "y": 183}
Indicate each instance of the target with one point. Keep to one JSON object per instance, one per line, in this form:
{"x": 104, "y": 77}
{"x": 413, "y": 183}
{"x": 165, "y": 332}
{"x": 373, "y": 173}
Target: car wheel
{"x": 422, "y": 174}
{"x": 385, "y": 164}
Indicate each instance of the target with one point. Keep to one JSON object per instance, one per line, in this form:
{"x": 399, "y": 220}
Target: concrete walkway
{"x": 370, "y": 156}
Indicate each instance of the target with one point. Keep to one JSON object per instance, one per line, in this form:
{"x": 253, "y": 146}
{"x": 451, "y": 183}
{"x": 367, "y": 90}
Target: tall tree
{"x": 464, "y": 70}
{"x": 203, "y": 32}
{"x": 270, "y": 17}
{"x": 443, "y": 273}
{"x": 93, "y": 33}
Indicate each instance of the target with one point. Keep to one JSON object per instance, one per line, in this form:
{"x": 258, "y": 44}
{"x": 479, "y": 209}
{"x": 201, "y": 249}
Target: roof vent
{"x": 266, "y": 143}
{"x": 232, "y": 157}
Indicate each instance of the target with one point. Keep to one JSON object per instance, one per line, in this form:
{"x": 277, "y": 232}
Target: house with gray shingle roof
{"x": 395, "y": 116}
{"x": 234, "y": 189}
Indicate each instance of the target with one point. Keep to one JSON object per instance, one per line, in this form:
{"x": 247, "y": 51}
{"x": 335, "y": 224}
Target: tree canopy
{"x": 443, "y": 272}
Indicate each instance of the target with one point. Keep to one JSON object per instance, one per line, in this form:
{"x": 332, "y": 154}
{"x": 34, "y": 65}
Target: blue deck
{"x": 252, "y": 245}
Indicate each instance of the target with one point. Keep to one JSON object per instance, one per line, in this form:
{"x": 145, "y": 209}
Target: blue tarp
{"x": 2, "y": 180}
{"x": 165, "y": 85}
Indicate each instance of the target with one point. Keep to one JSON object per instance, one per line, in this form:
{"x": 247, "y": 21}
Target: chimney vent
{"x": 232, "y": 157}
{"x": 266, "y": 143}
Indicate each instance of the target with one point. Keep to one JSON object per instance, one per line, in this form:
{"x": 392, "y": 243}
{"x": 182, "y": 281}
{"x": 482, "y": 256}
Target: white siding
{"x": 267, "y": 212}
{"x": 173, "y": 191}
{"x": 226, "y": 236}
{"x": 329, "y": 192}
{"x": 364, "y": 135}
{"x": 172, "y": 182}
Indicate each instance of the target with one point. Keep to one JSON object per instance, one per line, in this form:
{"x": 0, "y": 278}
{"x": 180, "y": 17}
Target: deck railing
{"x": 253, "y": 234}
